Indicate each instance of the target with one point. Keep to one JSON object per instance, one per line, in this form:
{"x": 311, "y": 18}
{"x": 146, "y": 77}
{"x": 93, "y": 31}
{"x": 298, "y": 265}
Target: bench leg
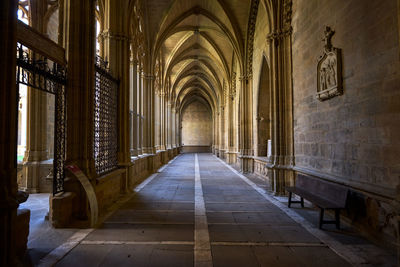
{"x": 290, "y": 199}
{"x": 302, "y": 202}
{"x": 337, "y": 218}
{"x": 321, "y": 217}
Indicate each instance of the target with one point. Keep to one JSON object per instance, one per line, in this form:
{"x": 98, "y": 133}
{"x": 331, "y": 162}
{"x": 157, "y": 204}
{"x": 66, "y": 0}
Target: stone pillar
{"x": 117, "y": 45}
{"x": 134, "y": 108}
{"x": 282, "y": 159}
{"x": 231, "y": 128}
{"x": 79, "y": 42}
{"x": 222, "y": 147}
{"x": 148, "y": 105}
{"x": 169, "y": 122}
{"x": 162, "y": 121}
{"x": 134, "y": 97}
{"x": 8, "y": 132}
{"x": 246, "y": 134}
{"x": 157, "y": 120}
{"x": 216, "y": 132}
{"x": 36, "y": 138}
{"x": 140, "y": 111}
{"x": 176, "y": 127}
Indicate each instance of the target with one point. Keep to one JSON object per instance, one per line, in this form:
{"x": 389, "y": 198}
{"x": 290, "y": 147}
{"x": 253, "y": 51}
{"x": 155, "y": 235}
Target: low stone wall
{"x": 109, "y": 188}
{"x": 260, "y": 167}
{"x": 40, "y": 179}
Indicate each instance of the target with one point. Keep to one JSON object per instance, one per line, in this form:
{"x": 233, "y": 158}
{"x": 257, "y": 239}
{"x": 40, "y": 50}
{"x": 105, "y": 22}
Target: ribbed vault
{"x": 196, "y": 43}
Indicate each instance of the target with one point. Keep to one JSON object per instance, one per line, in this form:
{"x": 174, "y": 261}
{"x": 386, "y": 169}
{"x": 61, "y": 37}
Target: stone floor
{"x": 199, "y": 211}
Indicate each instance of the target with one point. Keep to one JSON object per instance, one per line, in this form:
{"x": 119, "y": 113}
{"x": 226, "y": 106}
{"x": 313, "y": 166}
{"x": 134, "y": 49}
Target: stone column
{"x": 231, "y": 128}
{"x": 177, "y": 127}
{"x": 79, "y": 34}
{"x": 246, "y": 134}
{"x": 162, "y": 121}
{"x": 116, "y": 42}
{"x": 8, "y": 132}
{"x": 216, "y": 133}
{"x": 79, "y": 42}
{"x": 169, "y": 127}
{"x": 157, "y": 119}
{"x": 140, "y": 111}
{"x": 222, "y": 132}
{"x": 282, "y": 159}
{"x": 36, "y": 135}
{"x": 134, "y": 88}
{"x": 148, "y": 106}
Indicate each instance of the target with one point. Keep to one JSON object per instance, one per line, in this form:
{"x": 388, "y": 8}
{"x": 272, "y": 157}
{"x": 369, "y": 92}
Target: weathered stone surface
{"x": 22, "y": 231}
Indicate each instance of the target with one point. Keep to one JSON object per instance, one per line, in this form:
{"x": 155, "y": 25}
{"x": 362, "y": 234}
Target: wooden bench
{"x": 324, "y": 194}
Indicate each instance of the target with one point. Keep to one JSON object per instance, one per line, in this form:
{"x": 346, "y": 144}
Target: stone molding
{"x": 232, "y": 93}
{"x": 250, "y": 34}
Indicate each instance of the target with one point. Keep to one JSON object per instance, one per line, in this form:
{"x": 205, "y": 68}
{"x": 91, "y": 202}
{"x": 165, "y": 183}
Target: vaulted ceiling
{"x": 196, "y": 46}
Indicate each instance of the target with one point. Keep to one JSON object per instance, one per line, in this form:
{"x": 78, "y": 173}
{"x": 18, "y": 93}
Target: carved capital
{"x": 148, "y": 77}
{"x": 114, "y": 36}
{"x": 278, "y": 35}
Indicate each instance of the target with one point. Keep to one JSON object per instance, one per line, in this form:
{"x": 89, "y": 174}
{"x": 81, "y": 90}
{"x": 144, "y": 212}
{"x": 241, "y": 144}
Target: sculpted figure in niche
{"x": 322, "y": 78}
{"x": 331, "y": 81}
{"x": 329, "y": 69}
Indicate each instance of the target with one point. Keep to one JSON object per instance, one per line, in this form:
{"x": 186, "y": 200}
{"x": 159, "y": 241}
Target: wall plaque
{"x": 329, "y": 70}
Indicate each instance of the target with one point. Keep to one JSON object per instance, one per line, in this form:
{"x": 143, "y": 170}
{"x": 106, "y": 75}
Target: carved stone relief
{"x": 329, "y": 70}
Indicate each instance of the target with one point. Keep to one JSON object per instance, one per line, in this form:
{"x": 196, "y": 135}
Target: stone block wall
{"x": 196, "y": 125}
{"x": 354, "y": 138}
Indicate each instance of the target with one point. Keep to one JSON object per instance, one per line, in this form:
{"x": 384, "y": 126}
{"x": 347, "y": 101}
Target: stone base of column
{"x": 280, "y": 178}
{"x": 222, "y": 153}
{"x": 216, "y": 152}
{"x": 134, "y": 152}
{"x": 246, "y": 164}
{"x": 149, "y": 150}
{"x": 61, "y": 209}
{"x": 231, "y": 157}
{"x": 36, "y": 177}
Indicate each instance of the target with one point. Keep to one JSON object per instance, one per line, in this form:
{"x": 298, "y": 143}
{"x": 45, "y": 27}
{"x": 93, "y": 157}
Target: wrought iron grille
{"x": 105, "y": 119}
{"x": 33, "y": 70}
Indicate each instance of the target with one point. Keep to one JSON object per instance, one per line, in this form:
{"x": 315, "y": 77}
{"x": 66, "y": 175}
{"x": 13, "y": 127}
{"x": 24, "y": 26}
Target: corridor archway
{"x": 197, "y": 127}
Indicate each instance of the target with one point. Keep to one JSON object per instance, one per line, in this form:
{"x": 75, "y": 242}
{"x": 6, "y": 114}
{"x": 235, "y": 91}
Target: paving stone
{"x": 237, "y": 214}
{"x": 143, "y": 232}
{"x": 233, "y": 256}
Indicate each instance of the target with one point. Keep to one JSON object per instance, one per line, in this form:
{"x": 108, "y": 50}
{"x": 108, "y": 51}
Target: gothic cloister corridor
{"x": 199, "y": 132}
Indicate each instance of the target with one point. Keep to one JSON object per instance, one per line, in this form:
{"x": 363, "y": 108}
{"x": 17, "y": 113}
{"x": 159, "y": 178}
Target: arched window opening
{"x": 263, "y": 112}
{"x": 23, "y": 11}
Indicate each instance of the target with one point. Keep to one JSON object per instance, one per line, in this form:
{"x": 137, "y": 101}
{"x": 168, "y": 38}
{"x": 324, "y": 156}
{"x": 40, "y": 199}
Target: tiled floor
{"x": 165, "y": 222}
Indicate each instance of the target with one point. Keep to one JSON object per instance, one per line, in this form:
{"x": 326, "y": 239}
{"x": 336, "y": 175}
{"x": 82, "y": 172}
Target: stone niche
{"x": 329, "y": 70}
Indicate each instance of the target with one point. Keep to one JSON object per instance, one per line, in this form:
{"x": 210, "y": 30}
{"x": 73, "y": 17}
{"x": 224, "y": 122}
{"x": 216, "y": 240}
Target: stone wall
{"x": 352, "y": 139}
{"x": 196, "y": 125}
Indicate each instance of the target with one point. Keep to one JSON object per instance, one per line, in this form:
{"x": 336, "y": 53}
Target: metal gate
{"x": 34, "y": 71}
